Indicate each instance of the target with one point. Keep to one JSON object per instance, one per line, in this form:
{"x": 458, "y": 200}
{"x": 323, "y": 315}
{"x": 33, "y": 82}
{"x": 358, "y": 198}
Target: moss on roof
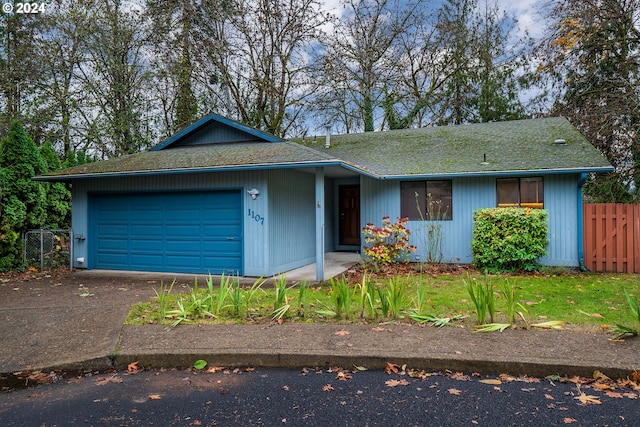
{"x": 519, "y": 145}
{"x": 201, "y": 157}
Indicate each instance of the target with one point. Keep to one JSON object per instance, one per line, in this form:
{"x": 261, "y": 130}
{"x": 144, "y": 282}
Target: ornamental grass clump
{"x": 389, "y": 243}
{"x": 623, "y": 331}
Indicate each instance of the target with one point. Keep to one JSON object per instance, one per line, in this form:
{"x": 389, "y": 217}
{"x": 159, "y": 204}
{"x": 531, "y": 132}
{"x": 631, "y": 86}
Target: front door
{"x": 349, "y": 215}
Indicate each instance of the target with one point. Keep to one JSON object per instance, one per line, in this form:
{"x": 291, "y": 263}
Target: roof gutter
{"x": 186, "y": 170}
{"x": 523, "y": 172}
{"x": 583, "y": 179}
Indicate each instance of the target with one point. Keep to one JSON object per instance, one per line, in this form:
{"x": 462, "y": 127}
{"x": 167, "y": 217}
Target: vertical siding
{"x": 256, "y": 259}
{"x": 380, "y": 198}
{"x": 561, "y": 203}
{"x": 292, "y": 219}
{"x": 330, "y": 215}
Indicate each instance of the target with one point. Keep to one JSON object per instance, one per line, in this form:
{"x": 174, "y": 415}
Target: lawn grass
{"x": 591, "y": 302}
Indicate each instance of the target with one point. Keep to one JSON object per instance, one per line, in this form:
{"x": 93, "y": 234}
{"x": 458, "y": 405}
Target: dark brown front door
{"x": 349, "y": 215}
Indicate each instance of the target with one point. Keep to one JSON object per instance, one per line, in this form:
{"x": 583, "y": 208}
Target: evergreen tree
{"x": 58, "y": 203}
{"x": 22, "y": 200}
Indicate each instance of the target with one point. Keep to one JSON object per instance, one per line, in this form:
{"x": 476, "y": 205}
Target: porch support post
{"x": 319, "y": 224}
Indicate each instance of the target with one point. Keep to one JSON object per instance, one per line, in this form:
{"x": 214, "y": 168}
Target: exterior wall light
{"x": 254, "y": 193}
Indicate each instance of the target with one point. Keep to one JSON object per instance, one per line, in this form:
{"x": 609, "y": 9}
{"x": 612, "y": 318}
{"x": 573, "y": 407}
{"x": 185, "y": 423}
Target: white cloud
{"x": 527, "y": 12}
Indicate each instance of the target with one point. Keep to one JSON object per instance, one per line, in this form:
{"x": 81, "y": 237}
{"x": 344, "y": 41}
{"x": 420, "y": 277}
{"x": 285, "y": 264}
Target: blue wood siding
{"x": 292, "y": 220}
{"x": 330, "y": 216}
{"x": 214, "y": 132}
{"x": 382, "y": 198}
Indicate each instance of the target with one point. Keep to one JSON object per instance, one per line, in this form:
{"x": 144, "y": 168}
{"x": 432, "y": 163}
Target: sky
{"x": 525, "y": 11}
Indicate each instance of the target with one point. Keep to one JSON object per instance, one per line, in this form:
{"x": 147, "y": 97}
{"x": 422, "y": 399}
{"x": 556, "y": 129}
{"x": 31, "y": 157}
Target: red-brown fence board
{"x": 611, "y": 235}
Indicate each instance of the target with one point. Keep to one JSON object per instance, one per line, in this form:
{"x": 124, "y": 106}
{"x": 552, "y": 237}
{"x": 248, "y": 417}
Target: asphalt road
{"x": 266, "y": 397}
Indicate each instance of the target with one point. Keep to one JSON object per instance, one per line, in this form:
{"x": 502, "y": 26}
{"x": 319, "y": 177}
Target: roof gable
{"x": 215, "y": 129}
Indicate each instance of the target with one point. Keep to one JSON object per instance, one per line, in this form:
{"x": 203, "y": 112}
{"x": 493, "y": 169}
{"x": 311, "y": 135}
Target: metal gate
{"x": 48, "y": 248}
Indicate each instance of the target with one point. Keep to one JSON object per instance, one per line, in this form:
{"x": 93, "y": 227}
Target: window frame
{"x": 539, "y": 192}
{"x": 409, "y": 205}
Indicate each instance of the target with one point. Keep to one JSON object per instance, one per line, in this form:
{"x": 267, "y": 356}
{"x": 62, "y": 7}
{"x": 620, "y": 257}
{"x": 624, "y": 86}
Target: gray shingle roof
{"x": 212, "y": 156}
{"x": 520, "y": 145}
{"x": 514, "y": 146}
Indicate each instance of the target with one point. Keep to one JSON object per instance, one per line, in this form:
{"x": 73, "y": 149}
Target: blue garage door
{"x": 172, "y": 232}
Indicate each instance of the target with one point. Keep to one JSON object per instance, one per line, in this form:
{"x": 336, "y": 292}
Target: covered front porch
{"x": 335, "y": 263}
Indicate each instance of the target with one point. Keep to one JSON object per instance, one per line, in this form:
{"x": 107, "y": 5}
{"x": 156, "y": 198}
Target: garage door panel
{"x": 142, "y": 231}
{"x": 222, "y": 247}
{"x": 186, "y": 231}
{"x": 112, "y": 259}
{"x": 111, "y": 229}
{"x": 174, "y": 232}
{"x": 150, "y": 246}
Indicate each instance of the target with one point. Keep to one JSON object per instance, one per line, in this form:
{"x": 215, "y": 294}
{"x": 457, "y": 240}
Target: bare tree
{"x": 61, "y": 43}
{"x": 592, "y": 56}
{"x": 114, "y": 75}
{"x": 362, "y": 56}
{"x": 261, "y": 52}
{"x": 19, "y": 70}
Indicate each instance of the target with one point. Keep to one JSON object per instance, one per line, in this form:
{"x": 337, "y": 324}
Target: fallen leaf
{"x": 491, "y": 381}
{"x": 587, "y": 399}
{"x": 327, "y": 387}
{"x": 360, "y": 368}
{"x": 613, "y": 394}
{"x": 455, "y": 391}
{"x": 155, "y": 397}
{"x": 548, "y": 396}
{"x": 395, "y": 383}
{"x": 459, "y": 376}
{"x": 214, "y": 369}
{"x": 380, "y": 329}
{"x": 342, "y": 333}
{"x": 568, "y": 420}
{"x": 200, "y": 364}
{"x": 595, "y": 315}
{"x": 107, "y": 380}
{"x": 133, "y": 367}
{"x": 343, "y": 376}
{"x": 391, "y": 367}
{"x": 630, "y": 395}
{"x": 285, "y": 388}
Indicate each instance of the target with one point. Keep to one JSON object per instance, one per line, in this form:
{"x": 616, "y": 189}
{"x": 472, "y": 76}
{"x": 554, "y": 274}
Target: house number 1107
{"x": 258, "y": 218}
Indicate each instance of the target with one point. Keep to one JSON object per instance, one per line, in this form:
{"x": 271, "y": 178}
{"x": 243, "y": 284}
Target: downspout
{"x": 583, "y": 179}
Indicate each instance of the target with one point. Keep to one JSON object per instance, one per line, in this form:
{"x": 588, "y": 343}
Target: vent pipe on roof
{"x": 327, "y": 143}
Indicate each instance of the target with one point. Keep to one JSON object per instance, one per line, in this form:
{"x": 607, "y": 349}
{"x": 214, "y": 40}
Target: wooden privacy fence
{"x": 611, "y": 233}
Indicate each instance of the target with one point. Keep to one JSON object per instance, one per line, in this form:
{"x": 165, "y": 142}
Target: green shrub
{"x": 507, "y": 239}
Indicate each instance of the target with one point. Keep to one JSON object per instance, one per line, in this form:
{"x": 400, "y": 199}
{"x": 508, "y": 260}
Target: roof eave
{"x": 529, "y": 172}
{"x": 231, "y": 168}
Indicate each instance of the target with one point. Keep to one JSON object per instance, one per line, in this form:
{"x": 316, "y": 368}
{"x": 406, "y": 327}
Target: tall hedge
{"x": 508, "y": 239}
{"x": 22, "y": 200}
